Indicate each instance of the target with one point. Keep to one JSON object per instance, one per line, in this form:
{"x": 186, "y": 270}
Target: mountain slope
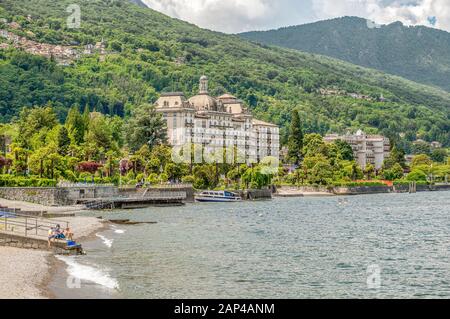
{"x": 139, "y": 3}
{"x": 417, "y": 53}
{"x": 148, "y": 52}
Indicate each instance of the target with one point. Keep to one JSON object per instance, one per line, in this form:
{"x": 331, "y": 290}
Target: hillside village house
{"x": 217, "y": 124}
{"x": 367, "y": 149}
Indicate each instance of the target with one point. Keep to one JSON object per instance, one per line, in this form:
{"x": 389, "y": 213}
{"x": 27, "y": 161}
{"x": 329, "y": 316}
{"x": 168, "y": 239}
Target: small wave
{"x": 106, "y": 241}
{"x": 88, "y": 273}
{"x": 119, "y": 231}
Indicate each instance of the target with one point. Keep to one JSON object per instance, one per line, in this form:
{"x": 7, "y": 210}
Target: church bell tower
{"x": 204, "y": 85}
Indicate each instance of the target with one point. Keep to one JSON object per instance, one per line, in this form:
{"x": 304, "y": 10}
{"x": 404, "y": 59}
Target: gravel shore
{"x": 36, "y": 207}
{"x": 24, "y": 272}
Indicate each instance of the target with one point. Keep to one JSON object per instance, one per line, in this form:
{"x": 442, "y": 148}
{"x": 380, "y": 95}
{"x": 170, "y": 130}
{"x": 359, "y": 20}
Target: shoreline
{"x": 321, "y": 191}
{"x": 27, "y": 273}
{"x": 55, "y": 264}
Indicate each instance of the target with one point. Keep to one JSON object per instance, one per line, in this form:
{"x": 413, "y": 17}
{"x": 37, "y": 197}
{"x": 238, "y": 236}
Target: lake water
{"x": 374, "y": 246}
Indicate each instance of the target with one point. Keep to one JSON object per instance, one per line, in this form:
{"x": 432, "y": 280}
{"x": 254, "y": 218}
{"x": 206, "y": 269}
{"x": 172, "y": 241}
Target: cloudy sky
{"x": 234, "y": 16}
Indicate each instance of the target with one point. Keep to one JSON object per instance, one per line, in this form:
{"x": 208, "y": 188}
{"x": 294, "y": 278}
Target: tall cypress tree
{"x": 75, "y": 124}
{"x": 295, "y": 142}
{"x": 63, "y": 141}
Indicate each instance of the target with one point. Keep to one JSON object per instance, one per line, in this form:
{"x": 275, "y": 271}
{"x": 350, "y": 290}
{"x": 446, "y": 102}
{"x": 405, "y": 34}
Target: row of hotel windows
{"x": 167, "y": 104}
{"x": 213, "y": 121}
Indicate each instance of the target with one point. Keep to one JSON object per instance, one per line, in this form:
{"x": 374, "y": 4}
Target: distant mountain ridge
{"x": 419, "y": 53}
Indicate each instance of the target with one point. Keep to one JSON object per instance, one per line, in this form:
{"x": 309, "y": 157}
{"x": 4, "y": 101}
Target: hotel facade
{"x": 221, "y": 125}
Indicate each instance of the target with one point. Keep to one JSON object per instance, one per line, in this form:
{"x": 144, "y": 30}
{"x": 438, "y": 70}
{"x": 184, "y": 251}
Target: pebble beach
{"x": 25, "y": 272}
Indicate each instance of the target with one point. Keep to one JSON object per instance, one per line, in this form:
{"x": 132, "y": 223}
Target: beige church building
{"x": 217, "y": 123}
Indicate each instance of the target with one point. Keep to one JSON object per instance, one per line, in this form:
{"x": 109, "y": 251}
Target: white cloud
{"x": 223, "y": 15}
{"x": 419, "y": 12}
{"x": 242, "y": 15}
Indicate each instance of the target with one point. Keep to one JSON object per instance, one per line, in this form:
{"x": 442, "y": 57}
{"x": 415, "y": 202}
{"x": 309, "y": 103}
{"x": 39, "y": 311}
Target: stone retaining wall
{"x": 11, "y": 240}
{"x": 55, "y": 196}
{"x": 159, "y": 190}
{"x": 255, "y": 194}
{"x": 359, "y": 190}
{"x": 66, "y": 196}
{"x": 47, "y": 196}
{"x": 404, "y": 188}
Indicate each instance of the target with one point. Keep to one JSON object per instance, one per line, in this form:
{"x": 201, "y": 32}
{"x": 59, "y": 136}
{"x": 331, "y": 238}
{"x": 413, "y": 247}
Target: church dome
{"x": 203, "y": 102}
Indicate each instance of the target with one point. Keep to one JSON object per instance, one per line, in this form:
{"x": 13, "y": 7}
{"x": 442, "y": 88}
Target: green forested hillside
{"x": 419, "y": 53}
{"x": 151, "y": 53}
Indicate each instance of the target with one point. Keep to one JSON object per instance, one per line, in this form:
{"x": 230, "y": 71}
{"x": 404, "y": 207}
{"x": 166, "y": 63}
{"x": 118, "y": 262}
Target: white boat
{"x": 217, "y": 196}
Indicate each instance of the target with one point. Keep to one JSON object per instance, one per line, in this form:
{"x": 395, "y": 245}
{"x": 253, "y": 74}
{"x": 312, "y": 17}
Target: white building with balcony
{"x": 367, "y": 149}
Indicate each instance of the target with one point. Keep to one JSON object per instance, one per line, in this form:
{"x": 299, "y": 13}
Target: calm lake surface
{"x": 284, "y": 248}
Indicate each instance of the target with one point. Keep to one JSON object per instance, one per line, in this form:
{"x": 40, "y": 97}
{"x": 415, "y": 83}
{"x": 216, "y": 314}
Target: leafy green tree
{"x": 295, "y": 143}
{"x": 421, "y": 148}
{"x": 311, "y": 165}
{"x": 369, "y": 171}
{"x": 63, "y": 141}
{"x": 396, "y": 172}
{"x": 439, "y": 155}
{"x": 321, "y": 173}
{"x": 345, "y": 150}
{"x": 255, "y": 178}
{"x": 314, "y": 145}
{"x": 396, "y": 155}
{"x": 416, "y": 175}
{"x": 99, "y": 133}
{"x": 161, "y": 154}
{"x": 205, "y": 177}
{"x": 116, "y": 125}
{"x": 145, "y": 127}
{"x": 76, "y": 125}
{"x": 173, "y": 171}
{"x": 35, "y": 121}
{"x": 421, "y": 159}
{"x": 19, "y": 157}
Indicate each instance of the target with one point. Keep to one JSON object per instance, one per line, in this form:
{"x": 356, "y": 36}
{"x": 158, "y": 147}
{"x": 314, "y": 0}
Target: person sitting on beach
{"x": 58, "y": 233}
{"x": 68, "y": 233}
{"x": 51, "y": 235}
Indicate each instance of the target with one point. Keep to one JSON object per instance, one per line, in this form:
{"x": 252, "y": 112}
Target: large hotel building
{"x": 217, "y": 124}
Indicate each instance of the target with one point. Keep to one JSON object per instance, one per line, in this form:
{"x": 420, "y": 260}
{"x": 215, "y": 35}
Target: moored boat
{"x": 217, "y": 196}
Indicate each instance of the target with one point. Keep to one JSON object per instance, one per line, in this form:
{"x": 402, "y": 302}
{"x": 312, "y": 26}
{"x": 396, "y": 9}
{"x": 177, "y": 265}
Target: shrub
{"x": 89, "y": 167}
{"x": 140, "y": 177}
{"x": 416, "y": 175}
{"x": 358, "y": 184}
{"x": 406, "y": 182}
{"x": 22, "y": 181}
{"x": 188, "y": 179}
{"x": 71, "y": 176}
{"x": 130, "y": 175}
{"x": 152, "y": 179}
{"x": 163, "y": 177}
